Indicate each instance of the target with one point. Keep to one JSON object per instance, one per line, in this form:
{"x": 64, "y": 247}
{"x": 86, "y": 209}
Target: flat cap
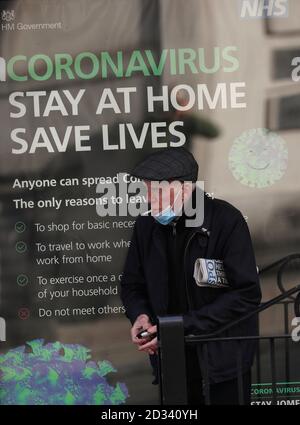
{"x": 168, "y": 164}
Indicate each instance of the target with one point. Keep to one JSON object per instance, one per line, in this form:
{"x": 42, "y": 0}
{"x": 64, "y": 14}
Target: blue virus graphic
{"x": 258, "y": 158}
{"x": 56, "y": 374}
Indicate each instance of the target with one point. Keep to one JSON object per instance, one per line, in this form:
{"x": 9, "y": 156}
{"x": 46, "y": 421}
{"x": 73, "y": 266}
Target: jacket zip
{"x": 185, "y": 271}
{"x": 174, "y": 262}
{"x": 174, "y": 232}
{"x": 190, "y": 307}
{"x": 174, "y": 228}
{"x": 207, "y": 233}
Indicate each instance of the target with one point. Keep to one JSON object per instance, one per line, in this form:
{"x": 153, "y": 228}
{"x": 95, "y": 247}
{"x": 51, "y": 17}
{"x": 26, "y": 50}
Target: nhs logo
{"x": 263, "y": 8}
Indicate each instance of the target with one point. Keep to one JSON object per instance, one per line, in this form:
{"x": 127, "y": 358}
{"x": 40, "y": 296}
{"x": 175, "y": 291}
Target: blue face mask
{"x": 166, "y": 216}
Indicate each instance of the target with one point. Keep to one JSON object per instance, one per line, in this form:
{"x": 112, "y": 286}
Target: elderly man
{"x": 161, "y": 278}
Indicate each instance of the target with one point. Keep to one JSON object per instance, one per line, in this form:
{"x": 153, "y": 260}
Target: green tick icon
{"x": 22, "y": 279}
{"x": 21, "y": 247}
{"x": 20, "y": 227}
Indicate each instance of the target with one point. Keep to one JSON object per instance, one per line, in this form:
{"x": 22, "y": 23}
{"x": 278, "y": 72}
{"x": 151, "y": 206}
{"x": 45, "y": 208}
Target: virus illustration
{"x": 56, "y": 374}
{"x": 258, "y": 158}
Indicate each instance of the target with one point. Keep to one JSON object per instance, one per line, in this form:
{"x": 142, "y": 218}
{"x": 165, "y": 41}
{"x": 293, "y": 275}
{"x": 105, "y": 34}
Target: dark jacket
{"x": 144, "y": 284}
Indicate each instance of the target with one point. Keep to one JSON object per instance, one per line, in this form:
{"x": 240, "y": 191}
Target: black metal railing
{"x": 172, "y": 343}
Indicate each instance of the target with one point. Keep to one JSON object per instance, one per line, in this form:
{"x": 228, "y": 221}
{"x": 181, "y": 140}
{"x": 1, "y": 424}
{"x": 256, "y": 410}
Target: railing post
{"x": 172, "y": 368}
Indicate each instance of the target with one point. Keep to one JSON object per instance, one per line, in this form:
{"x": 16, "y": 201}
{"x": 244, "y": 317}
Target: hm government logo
{"x": 7, "y": 18}
{"x": 8, "y": 23}
{"x": 263, "y": 9}
{"x": 8, "y": 15}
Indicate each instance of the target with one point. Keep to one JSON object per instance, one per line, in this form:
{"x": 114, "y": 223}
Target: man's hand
{"x": 143, "y": 322}
{"x": 149, "y": 344}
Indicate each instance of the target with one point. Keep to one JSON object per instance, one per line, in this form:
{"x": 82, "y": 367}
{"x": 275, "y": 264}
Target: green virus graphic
{"x": 258, "y": 158}
{"x": 56, "y": 374}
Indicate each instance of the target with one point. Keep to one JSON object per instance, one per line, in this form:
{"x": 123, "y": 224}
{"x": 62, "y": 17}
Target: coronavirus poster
{"x": 89, "y": 89}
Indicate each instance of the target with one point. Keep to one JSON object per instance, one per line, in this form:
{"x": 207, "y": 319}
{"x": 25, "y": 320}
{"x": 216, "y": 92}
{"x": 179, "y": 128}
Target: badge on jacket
{"x": 210, "y": 273}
